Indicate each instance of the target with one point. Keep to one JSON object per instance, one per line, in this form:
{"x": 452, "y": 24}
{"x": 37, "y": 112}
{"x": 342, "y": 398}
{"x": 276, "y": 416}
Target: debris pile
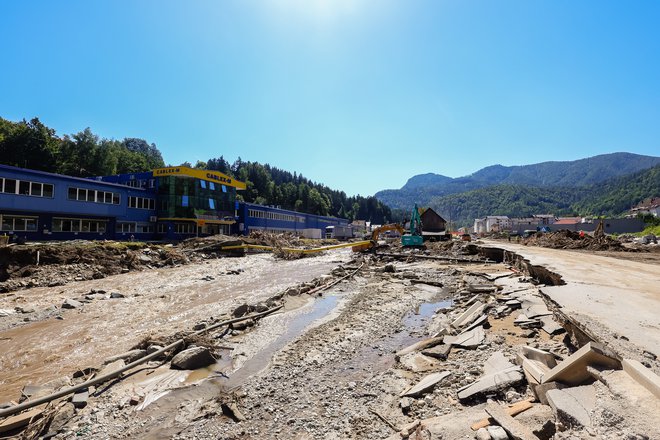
{"x": 565, "y": 239}
{"x": 56, "y": 264}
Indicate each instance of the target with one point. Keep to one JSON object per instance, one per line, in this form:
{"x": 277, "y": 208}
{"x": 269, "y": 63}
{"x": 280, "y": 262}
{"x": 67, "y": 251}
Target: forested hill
{"x": 268, "y": 185}
{"x": 611, "y": 198}
{"x": 424, "y": 188}
{"x": 31, "y": 144}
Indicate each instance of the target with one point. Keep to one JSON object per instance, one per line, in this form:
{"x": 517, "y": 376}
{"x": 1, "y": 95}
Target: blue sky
{"x": 357, "y": 94}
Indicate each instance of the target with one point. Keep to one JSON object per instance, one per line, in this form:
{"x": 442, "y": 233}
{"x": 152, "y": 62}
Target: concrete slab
{"x": 474, "y": 311}
{"x": 621, "y": 295}
{"x": 420, "y": 345}
{"x": 496, "y": 362}
{"x": 642, "y": 375}
{"x": 439, "y": 351}
{"x": 17, "y": 421}
{"x": 469, "y": 339}
{"x": 425, "y": 385}
{"x": 573, "y": 406}
{"x": 550, "y": 326}
{"x": 491, "y": 383}
{"x": 573, "y": 370}
{"x": 538, "y": 355}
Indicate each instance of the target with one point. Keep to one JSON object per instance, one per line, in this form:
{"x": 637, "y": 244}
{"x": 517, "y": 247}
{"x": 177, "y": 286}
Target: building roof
{"x": 88, "y": 180}
{"x": 568, "y": 221}
{"x": 211, "y": 175}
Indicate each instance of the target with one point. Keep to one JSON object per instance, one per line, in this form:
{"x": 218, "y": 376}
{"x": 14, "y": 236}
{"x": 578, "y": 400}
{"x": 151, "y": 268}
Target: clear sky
{"x": 357, "y": 94}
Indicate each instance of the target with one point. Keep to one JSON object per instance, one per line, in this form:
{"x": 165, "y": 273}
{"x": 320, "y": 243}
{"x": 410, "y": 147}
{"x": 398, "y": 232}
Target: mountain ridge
{"x": 422, "y": 188}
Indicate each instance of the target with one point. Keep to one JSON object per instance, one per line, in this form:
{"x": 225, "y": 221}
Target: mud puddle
{"x": 320, "y": 308}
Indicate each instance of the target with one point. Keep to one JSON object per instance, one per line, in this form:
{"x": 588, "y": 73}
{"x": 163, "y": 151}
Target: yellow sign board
{"x": 209, "y": 175}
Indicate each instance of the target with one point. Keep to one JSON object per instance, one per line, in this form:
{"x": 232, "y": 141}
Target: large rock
{"x": 491, "y": 383}
{"x": 193, "y": 358}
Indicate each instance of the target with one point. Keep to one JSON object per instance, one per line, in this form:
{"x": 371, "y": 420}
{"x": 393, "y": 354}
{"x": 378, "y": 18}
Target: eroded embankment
{"x": 580, "y": 329}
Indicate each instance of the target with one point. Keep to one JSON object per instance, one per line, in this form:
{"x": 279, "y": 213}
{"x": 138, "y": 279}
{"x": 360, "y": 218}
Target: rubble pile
{"x": 39, "y": 265}
{"x": 565, "y": 239}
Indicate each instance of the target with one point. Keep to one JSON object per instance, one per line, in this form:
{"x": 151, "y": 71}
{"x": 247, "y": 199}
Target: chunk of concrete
{"x": 496, "y": 362}
{"x": 420, "y": 345}
{"x": 418, "y": 362}
{"x": 482, "y": 434}
{"x": 491, "y": 383}
{"x": 497, "y": 433}
{"x": 425, "y": 385}
{"x": 642, "y": 375}
{"x": 541, "y": 390}
{"x": 193, "y": 358}
{"x": 472, "y": 312}
{"x": 481, "y": 321}
{"x": 550, "y": 326}
{"x": 573, "y": 370}
{"x": 537, "y": 355}
{"x": 79, "y": 399}
{"x": 469, "y": 339}
{"x": 514, "y": 428}
{"x": 535, "y": 369}
{"x": 439, "y": 351}
{"x": 573, "y": 406}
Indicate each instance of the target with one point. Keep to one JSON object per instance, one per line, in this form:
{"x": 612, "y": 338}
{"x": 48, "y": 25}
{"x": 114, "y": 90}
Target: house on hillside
{"x": 570, "y": 223}
{"x": 545, "y": 219}
{"x": 646, "y": 206}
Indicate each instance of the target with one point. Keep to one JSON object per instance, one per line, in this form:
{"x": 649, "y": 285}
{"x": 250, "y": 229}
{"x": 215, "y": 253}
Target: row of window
{"x": 10, "y": 223}
{"x": 78, "y": 225}
{"x": 26, "y": 188}
{"x": 141, "y": 203}
{"x": 255, "y": 213}
{"x": 14, "y": 223}
{"x": 90, "y": 195}
{"x": 141, "y": 183}
{"x": 211, "y": 185}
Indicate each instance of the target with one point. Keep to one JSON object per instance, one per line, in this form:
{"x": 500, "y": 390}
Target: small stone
{"x": 482, "y": 434}
{"x": 497, "y": 433}
{"x": 71, "y": 304}
{"x": 116, "y": 295}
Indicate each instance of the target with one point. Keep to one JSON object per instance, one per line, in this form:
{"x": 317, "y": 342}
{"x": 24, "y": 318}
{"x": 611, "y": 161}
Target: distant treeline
{"x": 268, "y": 185}
{"x": 31, "y": 144}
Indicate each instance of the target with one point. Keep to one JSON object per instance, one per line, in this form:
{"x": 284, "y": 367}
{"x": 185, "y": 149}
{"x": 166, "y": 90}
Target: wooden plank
{"x": 512, "y": 410}
{"x": 514, "y": 428}
{"x": 20, "y": 420}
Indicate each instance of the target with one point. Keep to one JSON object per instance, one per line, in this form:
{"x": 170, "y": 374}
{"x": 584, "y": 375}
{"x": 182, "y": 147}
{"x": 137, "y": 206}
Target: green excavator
{"x": 414, "y": 236}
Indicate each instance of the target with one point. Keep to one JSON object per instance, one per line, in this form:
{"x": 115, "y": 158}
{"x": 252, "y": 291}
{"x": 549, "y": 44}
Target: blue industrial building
{"x": 170, "y": 203}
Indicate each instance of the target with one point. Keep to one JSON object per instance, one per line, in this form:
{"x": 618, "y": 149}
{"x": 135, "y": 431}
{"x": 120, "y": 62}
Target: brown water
{"x": 158, "y": 302}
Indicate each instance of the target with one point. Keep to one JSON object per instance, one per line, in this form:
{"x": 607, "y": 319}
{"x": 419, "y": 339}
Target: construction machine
{"x": 414, "y": 236}
{"x": 376, "y": 233}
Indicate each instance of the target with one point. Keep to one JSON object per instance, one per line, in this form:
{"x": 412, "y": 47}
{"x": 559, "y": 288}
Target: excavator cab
{"x": 414, "y": 236}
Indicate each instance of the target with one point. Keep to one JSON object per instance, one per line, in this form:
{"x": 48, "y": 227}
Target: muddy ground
{"x": 324, "y": 366}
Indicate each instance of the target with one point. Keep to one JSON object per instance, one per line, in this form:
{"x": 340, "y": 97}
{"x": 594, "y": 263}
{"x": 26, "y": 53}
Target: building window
{"x": 202, "y": 183}
{"x": 125, "y": 227}
{"x": 26, "y": 188}
{"x": 90, "y": 195}
{"x": 185, "y": 228}
{"x": 184, "y": 200}
{"x": 162, "y": 228}
{"x": 141, "y": 203}
{"x": 211, "y": 204}
{"x": 17, "y": 223}
{"x": 212, "y": 186}
{"x": 78, "y": 225}
{"x": 145, "y": 228}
